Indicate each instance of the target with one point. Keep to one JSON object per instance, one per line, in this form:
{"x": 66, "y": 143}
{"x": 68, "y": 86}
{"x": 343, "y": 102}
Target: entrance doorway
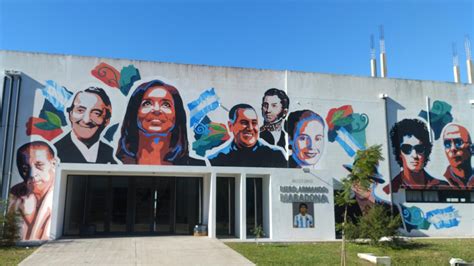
{"x": 111, "y": 205}
{"x": 225, "y": 206}
{"x": 254, "y": 204}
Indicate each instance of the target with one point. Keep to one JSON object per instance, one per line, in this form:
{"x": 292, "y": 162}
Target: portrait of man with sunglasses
{"x": 412, "y": 148}
{"x": 458, "y": 149}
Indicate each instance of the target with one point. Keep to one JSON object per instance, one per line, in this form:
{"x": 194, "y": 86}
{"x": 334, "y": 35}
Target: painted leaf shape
{"x": 53, "y": 119}
{"x": 45, "y": 126}
{"x": 440, "y": 108}
{"x": 128, "y": 75}
{"x": 343, "y": 121}
{"x": 337, "y": 115}
{"x": 217, "y": 127}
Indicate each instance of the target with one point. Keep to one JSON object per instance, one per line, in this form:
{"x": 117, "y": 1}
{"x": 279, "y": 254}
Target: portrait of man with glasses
{"x": 458, "y": 149}
{"x": 412, "y": 148}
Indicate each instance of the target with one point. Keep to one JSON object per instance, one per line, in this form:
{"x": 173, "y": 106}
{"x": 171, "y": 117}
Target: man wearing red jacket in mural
{"x": 412, "y": 148}
{"x": 457, "y": 146}
{"x": 33, "y": 198}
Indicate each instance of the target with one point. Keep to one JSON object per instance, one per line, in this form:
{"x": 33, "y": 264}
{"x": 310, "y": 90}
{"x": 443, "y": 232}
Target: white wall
{"x": 318, "y": 92}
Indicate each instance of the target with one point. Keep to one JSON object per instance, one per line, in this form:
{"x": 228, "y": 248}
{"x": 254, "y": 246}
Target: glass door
{"x": 144, "y": 207}
{"x": 225, "y": 206}
{"x": 98, "y": 205}
{"x": 163, "y": 205}
{"x": 118, "y": 204}
{"x": 188, "y": 204}
{"x": 254, "y": 204}
{"x": 96, "y": 213}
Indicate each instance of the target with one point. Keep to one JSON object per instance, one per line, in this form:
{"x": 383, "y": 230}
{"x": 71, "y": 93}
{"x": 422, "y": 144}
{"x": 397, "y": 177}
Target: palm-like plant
{"x": 365, "y": 165}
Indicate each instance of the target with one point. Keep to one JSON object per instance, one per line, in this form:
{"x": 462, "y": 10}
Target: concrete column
{"x": 267, "y": 206}
{"x": 58, "y": 206}
{"x": 383, "y": 65}
{"x": 457, "y": 75}
{"x": 373, "y": 68}
{"x": 469, "y": 71}
{"x": 243, "y": 207}
{"x": 237, "y": 206}
{"x": 206, "y": 193}
{"x": 211, "y": 225}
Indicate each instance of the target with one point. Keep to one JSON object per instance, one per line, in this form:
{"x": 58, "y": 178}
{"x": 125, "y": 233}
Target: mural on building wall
{"x": 439, "y": 116}
{"x": 275, "y": 106}
{"x": 122, "y": 80}
{"x": 366, "y": 198}
{"x": 306, "y": 130}
{"x": 414, "y": 218}
{"x": 154, "y": 130}
{"x": 347, "y": 128}
{"x": 89, "y": 114}
{"x": 458, "y": 149}
{"x": 412, "y": 149}
{"x": 51, "y": 118}
{"x": 303, "y": 213}
{"x": 246, "y": 148}
{"x": 207, "y": 134}
{"x": 33, "y": 197}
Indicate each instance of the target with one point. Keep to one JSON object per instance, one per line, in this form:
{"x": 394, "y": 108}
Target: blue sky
{"x": 314, "y": 36}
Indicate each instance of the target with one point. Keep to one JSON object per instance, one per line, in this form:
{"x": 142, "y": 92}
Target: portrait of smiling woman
{"x": 306, "y": 138}
{"x": 154, "y": 128}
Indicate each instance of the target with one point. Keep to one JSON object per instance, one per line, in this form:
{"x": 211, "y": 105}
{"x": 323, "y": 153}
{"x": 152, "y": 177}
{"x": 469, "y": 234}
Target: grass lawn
{"x": 414, "y": 252}
{"x": 14, "y": 255}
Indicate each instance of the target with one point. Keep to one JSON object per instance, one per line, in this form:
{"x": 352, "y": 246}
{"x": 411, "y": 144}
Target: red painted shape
{"x": 107, "y": 74}
{"x": 48, "y": 134}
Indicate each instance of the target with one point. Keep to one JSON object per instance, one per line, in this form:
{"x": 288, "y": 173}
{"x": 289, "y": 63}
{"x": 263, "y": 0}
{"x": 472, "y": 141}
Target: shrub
{"x": 374, "y": 224}
{"x": 258, "y": 232}
{"x": 9, "y": 227}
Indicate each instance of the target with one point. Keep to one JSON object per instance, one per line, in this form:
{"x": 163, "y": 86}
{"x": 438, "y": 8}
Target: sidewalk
{"x": 161, "y": 250}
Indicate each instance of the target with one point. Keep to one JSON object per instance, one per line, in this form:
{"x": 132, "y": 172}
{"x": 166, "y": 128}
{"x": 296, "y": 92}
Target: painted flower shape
{"x": 339, "y": 116}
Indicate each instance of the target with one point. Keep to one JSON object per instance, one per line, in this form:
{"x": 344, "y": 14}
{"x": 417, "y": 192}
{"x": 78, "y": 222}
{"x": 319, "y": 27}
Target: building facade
{"x": 98, "y": 146}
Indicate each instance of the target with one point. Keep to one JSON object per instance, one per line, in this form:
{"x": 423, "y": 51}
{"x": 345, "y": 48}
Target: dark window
{"x": 414, "y": 196}
{"x": 455, "y": 196}
{"x": 449, "y": 196}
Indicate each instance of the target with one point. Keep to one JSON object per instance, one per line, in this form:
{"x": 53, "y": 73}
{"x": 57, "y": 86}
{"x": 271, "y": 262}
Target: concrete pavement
{"x": 157, "y": 250}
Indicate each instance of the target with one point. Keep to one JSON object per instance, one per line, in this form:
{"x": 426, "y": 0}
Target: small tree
{"x": 9, "y": 228}
{"x": 365, "y": 165}
{"x": 258, "y": 232}
{"x": 377, "y": 223}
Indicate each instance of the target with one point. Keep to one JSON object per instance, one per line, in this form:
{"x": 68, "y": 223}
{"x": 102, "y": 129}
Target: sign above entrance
{"x": 290, "y": 194}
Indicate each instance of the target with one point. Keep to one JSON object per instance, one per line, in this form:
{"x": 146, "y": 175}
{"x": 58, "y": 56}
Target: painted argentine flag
{"x": 56, "y": 95}
{"x": 348, "y": 142}
{"x": 207, "y": 102}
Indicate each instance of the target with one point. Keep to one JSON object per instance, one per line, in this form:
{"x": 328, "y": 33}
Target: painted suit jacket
{"x": 69, "y": 153}
{"x": 259, "y": 155}
{"x": 268, "y": 137}
{"x": 399, "y": 181}
{"x": 457, "y": 182}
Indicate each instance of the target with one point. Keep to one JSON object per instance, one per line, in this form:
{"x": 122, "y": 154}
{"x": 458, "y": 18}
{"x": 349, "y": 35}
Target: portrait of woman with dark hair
{"x": 154, "y": 128}
{"x": 306, "y": 138}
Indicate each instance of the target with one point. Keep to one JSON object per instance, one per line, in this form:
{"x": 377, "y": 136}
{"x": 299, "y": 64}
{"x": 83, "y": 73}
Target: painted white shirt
{"x": 276, "y": 136}
{"x": 90, "y": 154}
